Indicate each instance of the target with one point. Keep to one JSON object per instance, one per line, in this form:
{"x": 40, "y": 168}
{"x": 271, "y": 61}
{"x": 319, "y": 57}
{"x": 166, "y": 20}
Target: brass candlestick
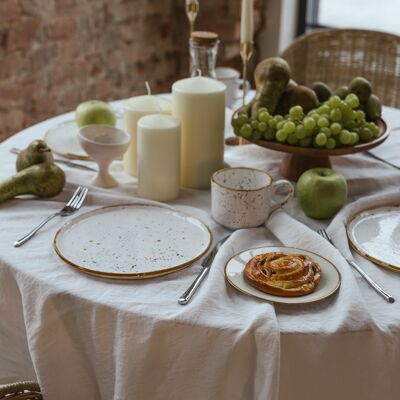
{"x": 246, "y": 51}
{"x": 192, "y": 10}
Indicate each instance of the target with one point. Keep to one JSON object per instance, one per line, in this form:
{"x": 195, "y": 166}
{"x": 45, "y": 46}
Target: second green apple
{"x": 322, "y": 192}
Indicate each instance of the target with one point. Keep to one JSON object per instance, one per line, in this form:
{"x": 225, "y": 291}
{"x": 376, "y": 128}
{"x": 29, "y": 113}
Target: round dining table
{"x": 86, "y": 337}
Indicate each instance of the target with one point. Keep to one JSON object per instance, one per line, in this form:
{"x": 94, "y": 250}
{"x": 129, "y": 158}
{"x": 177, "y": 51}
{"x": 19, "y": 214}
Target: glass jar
{"x": 203, "y": 53}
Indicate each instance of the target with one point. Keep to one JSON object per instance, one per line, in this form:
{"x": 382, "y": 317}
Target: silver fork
{"x": 372, "y": 283}
{"x": 74, "y": 204}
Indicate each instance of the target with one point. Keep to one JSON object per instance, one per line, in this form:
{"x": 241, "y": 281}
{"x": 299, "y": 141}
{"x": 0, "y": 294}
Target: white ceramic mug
{"x": 242, "y": 197}
{"x": 234, "y": 85}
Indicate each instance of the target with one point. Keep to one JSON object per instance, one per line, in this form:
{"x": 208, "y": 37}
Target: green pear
{"x": 42, "y": 180}
{"x": 36, "y": 153}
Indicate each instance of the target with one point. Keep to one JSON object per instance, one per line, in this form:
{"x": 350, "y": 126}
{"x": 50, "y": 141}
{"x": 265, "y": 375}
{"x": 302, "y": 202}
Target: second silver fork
{"x": 74, "y": 204}
{"x": 372, "y": 283}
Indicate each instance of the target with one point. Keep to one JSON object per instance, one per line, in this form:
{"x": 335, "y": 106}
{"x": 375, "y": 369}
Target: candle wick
{"x": 148, "y": 88}
{"x": 198, "y": 71}
{"x": 154, "y": 99}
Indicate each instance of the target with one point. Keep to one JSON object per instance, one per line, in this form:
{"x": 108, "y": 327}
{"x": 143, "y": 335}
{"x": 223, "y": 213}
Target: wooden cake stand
{"x": 299, "y": 159}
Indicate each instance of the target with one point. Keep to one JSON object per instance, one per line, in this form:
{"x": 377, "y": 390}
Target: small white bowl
{"x": 104, "y": 144}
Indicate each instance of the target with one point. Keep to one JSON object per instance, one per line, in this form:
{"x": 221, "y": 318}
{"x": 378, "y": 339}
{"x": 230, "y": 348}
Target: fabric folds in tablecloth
{"x": 89, "y": 338}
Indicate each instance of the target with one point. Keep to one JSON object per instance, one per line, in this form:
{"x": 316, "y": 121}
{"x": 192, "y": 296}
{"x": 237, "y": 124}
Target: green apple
{"x": 94, "y": 112}
{"x": 322, "y": 192}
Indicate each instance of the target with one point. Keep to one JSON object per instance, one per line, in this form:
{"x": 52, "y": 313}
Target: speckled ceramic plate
{"x": 329, "y": 283}
{"x": 132, "y": 241}
{"x": 375, "y": 234}
{"x": 63, "y": 140}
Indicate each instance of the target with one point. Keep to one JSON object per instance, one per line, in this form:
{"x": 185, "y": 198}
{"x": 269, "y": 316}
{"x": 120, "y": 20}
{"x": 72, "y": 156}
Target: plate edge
{"x": 144, "y": 275}
{"x": 360, "y": 251}
{"x": 277, "y": 301}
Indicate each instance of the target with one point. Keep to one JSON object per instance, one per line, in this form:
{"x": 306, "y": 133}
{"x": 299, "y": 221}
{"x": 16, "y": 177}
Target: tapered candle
{"x": 247, "y": 22}
{"x": 159, "y": 142}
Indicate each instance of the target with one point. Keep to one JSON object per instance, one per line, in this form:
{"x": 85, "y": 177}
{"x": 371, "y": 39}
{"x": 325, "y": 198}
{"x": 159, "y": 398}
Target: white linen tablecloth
{"x": 88, "y": 338}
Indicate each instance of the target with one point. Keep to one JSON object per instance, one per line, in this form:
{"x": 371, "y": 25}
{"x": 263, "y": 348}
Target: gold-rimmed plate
{"x": 375, "y": 234}
{"x": 132, "y": 241}
{"x": 329, "y": 283}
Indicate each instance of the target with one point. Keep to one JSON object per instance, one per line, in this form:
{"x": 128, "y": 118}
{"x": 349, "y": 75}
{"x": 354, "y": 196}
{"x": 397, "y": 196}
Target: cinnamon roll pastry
{"x": 283, "y": 274}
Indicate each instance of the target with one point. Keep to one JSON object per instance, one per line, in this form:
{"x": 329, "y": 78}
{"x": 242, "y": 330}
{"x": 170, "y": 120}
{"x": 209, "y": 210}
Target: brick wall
{"x": 56, "y": 53}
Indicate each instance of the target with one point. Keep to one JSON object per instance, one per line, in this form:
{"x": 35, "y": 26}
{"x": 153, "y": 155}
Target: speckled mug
{"x": 242, "y": 197}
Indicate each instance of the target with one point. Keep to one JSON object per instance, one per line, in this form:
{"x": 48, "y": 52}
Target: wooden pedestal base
{"x": 293, "y": 165}
{"x": 236, "y": 141}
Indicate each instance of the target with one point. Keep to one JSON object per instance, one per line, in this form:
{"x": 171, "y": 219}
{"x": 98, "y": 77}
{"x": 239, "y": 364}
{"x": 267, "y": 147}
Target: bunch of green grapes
{"x": 335, "y": 123}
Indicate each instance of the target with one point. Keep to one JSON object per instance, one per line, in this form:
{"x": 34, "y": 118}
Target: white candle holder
{"x": 104, "y": 144}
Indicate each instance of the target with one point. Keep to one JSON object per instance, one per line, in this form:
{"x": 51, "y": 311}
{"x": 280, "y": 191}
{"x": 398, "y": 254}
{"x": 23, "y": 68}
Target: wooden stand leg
{"x": 293, "y": 165}
{"x": 236, "y": 141}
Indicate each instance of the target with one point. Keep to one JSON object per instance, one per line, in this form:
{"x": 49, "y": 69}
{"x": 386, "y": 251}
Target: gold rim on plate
{"x": 362, "y": 252}
{"x": 277, "y": 297}
{"x": 140, "y": 275}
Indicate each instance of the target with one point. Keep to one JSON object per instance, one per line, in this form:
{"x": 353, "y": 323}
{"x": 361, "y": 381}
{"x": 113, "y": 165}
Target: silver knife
{"x": 206, "y": 264}
{"x": 72, "y": 164}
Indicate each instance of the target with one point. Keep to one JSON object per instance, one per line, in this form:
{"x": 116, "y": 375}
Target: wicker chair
{"x": 28, "y": 390}
{"x": 335, "y": 56}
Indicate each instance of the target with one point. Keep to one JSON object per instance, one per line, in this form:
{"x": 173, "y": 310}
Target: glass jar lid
{"x": 203, "y": 38}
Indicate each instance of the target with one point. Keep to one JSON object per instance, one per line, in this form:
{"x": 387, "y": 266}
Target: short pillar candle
{"x": 158, "y": 152}
{"x": 134, "y": 109}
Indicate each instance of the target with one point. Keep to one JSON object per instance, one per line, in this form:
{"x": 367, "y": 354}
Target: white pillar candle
{"x": 247, "y": 22}
{"x": 159, "y": 139}
{"x": 134, "y": 109}
{"x": 199, "y": 103}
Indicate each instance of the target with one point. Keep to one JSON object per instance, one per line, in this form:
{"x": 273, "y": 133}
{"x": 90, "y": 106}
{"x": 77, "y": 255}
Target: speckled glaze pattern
{"x": 375, "y": 234}
{"x": 132, "y": 241}
{"x": 242, "y": 197}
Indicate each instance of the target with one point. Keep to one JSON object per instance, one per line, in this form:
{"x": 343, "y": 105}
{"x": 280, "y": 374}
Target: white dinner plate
{"x": 132, "y": 241}
{"x": 329, "y": 283}
{"x": 63, "y": 139}
{"x": 375, "y": 234}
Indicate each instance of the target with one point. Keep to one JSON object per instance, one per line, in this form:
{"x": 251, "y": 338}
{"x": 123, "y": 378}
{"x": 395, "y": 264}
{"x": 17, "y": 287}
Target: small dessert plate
{"x": 375, "y": 234}
{"x": 329, "y": 283}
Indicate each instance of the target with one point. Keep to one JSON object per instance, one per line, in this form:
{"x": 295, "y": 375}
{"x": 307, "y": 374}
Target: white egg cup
{"x": 104, "y": 144}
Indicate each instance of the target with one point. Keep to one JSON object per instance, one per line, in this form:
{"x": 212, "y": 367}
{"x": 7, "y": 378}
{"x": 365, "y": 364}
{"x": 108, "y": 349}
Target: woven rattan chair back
{"x": 335, "y": 56}
{"x": 28, "y": 390}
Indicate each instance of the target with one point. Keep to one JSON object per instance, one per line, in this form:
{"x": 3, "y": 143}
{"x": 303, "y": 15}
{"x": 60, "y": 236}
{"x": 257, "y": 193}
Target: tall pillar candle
{"x": 199, "y": 103}
{"x": 158, "y": 150}
{"x": 134, "y": 109}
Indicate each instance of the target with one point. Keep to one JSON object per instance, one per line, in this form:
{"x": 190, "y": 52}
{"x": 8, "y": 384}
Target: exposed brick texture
{"x": 57, "y": 53}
